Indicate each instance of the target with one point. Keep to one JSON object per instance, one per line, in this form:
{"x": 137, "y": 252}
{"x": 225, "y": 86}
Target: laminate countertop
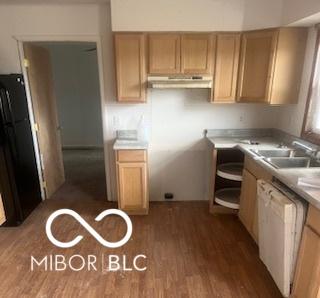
{"x": 289, "y": 177}
{"x": 130, "y": 145}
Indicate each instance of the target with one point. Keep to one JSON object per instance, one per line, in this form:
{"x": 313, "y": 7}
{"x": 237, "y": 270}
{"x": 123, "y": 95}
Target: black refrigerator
{"x": 19, "y": 179}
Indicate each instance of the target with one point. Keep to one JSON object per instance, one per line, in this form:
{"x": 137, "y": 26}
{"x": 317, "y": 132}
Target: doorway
{"x": 65, "y": 91}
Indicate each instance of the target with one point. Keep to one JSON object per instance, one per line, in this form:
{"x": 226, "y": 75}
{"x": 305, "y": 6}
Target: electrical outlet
{"x": 168, "y": 196}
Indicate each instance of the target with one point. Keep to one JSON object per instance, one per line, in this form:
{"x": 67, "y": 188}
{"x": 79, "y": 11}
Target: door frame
{"x": 66, "y": 38}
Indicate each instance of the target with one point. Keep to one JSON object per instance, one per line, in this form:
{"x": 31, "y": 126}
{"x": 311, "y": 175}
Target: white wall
{"x": 76, "y": 82}
{"x": 191, "y": 15}
{"x": 176, "y": 120}
{"x": 294, "y": 10}
{"x": 262, "y": 14}
{"x": 17, "y": 20}
{"x": 177, "y": 15}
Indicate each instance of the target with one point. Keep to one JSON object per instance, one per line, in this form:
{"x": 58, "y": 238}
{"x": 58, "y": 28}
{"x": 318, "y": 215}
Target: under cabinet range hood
{"x": 175, "y": 82}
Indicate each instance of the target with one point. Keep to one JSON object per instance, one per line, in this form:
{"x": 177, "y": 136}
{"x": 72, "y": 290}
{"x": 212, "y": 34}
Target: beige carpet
{"x": 85, "y": 175}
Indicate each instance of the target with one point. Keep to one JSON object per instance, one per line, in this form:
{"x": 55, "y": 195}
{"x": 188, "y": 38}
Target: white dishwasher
{"x": 281, "y": 218}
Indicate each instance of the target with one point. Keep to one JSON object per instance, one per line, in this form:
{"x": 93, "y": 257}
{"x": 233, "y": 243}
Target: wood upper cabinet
{"x": 267, "y": 70}
{"x": 132, "y": 181}
{"x": 226, "y": 67}
{"x": 288, "y": 66}
{"x": 196, "y": 53}
{"x": 256, "y": 63}
{"x": 164, "y": 53}
{"x": 2, "y": 212}
{"x": 130, "y": 55}
{"x": 307, "y": 275}
{"x": 271, "y": 65}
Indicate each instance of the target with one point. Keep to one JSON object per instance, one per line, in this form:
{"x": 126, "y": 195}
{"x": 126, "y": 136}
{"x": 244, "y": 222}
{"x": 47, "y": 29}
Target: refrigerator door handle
{"x": 4, "y": 95}
{"x": 2, "y": 117}
{"x": 12, "y": 119}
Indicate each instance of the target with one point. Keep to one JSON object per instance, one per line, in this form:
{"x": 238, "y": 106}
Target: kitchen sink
{"x": 280, "y": 153}
{"x": 292, "y": 162}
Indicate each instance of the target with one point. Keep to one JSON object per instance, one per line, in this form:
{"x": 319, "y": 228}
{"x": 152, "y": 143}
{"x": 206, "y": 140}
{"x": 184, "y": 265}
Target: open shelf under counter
{"x": 225, "y": 172}
{"x": 231, "y": 171}
{"x": 228, "y": 197}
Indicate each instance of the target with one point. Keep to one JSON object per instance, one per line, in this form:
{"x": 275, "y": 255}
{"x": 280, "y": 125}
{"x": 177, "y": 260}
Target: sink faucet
{"x": 311, "y": 150}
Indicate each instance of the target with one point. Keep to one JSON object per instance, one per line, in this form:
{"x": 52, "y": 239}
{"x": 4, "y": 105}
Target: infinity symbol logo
{"x": 76, "y": 240}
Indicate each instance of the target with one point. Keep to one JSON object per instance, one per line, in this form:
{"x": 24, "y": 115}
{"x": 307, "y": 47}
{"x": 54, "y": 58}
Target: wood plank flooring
{"x": 190, "y": 253}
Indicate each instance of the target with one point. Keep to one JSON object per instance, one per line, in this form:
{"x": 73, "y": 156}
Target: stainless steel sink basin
{"x": 279, "y": 153}
{"x": 292, "y": 162}
{"x": 273, "y": 153}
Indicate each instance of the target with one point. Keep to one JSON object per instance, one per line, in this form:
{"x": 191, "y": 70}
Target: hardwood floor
{"x": 190, "y": 253}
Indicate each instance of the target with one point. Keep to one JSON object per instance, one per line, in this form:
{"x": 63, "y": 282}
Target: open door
{"x": 40, "y": 78}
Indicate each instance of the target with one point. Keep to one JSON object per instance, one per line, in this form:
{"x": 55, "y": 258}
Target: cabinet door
{"x": 132, "y": 187}
{"x": 226, "y": 67}
{"x": 256, "y": 65}
{"x": 288, "y": 65}
{"x": 164, "y": 53}
{"x": 2, "y": 212}
{"x": 196, "y": 53}
{"x": 248, "y": 201}
{"x": 307, "y": 276}
{"x": 130, "y": 67}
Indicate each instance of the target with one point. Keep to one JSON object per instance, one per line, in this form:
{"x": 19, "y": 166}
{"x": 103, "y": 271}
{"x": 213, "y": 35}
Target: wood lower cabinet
{"x": 164, "y": 53}
{"x": 130, "y": 63}
{"x": 2, "y": 212}
{"x": 248, "y": 203}
{"x": 307, "y": 276}
{"x": 132, "y": 181}
{"x": 307, "y": 279}
{"x": 226, "y": 68}
{"x": 248, "y": 212}
{"x": 196, "y": 53}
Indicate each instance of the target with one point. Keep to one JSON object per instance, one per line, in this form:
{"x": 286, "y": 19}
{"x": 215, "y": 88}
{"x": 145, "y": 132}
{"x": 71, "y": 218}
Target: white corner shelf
{"x": 228, "y": 197}
{"x": 231, "y": 171}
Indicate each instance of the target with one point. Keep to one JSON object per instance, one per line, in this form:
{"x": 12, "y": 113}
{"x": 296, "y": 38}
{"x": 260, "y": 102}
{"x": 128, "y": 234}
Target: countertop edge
{"x": 132, "y": 145}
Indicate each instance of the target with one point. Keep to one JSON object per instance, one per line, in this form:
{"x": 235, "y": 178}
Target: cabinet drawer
{"x": 255, "y": 169}
{"x": 131, "y": 155}
{"x": 313, "y": 219}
